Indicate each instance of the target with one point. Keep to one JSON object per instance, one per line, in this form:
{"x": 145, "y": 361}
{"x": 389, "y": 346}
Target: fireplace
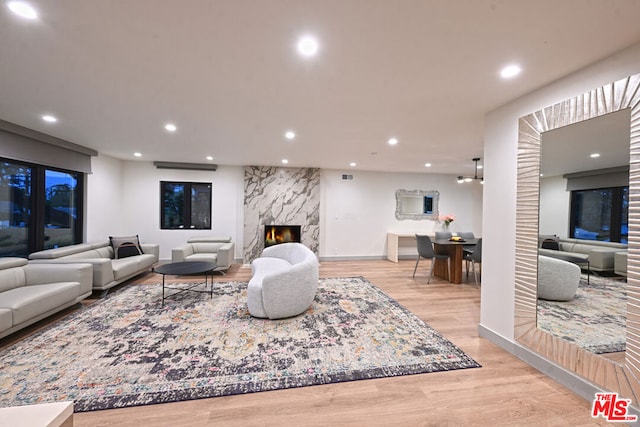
{"x": 275, "y": 234}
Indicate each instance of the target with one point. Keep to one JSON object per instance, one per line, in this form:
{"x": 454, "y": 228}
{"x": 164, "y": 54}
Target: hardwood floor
{"x": 505, "y": 391}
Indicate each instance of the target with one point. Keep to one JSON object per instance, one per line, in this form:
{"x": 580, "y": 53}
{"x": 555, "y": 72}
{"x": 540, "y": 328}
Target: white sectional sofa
{"x": 284, "y": 281}
{"x": 107, "y": 270}
{"x": 601, "y": 255}
{"x": 30, "y": 292}
{"x": 213, "y": 249}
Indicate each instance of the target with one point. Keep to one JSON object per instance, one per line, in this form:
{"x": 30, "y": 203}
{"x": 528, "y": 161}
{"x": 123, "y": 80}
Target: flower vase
{"x": 445, "y": 227}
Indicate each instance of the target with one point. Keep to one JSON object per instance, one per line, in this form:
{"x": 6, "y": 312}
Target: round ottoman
{"x": 558, "y": 280}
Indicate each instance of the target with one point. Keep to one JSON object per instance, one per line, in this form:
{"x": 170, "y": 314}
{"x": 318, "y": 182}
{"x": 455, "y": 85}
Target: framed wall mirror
{"x": 417, "y": 204}
{"x": 623, "y": 375}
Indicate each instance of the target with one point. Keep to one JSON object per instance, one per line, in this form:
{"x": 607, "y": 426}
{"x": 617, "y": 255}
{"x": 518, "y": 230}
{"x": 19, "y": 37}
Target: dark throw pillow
{"x": 550, "y": 244}
{"x": 126, "y": 246}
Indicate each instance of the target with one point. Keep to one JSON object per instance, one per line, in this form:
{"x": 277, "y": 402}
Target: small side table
{"x": 183, "y": 269}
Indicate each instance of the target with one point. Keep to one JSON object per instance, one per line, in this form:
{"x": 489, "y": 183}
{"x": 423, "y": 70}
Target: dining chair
{"x": 466, "y": 234}
{"x": 425, "y": 250}
{"x": 474, "y": 258}
{"x": 443, "y": 235}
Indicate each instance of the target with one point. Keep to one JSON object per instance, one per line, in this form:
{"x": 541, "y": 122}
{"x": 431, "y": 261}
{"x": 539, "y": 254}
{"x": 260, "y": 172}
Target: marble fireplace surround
{"x": 283, "y": 196}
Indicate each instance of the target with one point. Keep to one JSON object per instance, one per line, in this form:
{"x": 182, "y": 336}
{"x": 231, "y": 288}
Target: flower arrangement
{"x": 447, "y": 219}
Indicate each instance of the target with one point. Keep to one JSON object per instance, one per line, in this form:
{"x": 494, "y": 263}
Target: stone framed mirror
{"x": 417, "y": 204}
{"x": 623, "y": 378}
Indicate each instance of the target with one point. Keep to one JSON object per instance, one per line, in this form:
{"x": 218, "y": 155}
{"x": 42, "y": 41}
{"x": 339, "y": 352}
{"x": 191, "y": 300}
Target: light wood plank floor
{"x": 505, "y": 391}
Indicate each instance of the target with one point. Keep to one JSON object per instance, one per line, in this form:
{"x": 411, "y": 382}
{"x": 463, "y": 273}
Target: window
{"x": 185, "y": 205}
{"x": 600, "y": 214}
{"x": 40, "y": 208}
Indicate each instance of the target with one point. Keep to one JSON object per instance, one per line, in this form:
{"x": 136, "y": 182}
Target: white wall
{"x": 125, "y": 199}
{"x": 554, "y": 206}
{"x": 104, "y": 199}
{"x": 356, "y": 214}
{"x": 500, "y": 158}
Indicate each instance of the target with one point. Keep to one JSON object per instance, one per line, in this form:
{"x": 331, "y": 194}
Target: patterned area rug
{"x": 594, "y": 320}
{"x": 127, "y": 350}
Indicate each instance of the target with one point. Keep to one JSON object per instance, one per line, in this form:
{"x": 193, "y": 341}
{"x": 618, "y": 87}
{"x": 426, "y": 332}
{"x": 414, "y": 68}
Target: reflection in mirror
{"x": 623, "y": 377}
{"x": 583, "y": 225}
{"x": 417, "y": 204}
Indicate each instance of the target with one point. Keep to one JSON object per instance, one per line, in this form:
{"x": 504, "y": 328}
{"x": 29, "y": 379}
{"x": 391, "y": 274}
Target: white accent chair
{"x": 558, "y": 280}
{"x": 284, "y": 281}
{"x": 207, "y": 248}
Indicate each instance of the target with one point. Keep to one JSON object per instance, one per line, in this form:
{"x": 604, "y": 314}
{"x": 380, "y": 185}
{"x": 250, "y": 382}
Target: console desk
{"x": 393, "y": 242}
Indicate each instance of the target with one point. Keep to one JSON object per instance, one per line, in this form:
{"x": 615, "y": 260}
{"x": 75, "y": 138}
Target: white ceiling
{"x": 227, "y": 74}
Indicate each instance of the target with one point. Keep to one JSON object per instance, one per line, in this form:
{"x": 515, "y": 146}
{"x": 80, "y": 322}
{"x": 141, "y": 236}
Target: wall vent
{"x": 347, "y": 176}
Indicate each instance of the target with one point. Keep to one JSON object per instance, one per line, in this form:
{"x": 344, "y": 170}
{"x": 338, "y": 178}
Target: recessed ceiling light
{"x": 510, "y": 71}
{"x": 427, "y": 165}
{"x": 393, "y": 141}
{"x": 290, "y": 134}
{"x": 49, "y": 118}
{"x": 137, "y": 154}
{"x": 23, "y": 9}
{"x": 209, "y": 157}
{"x": 308, "y": 46}
{"x": 594, "y": 155}
{"x": 171, "y": 127}
{"x": 352, "y": 164}
{"x": 285, "y": 161}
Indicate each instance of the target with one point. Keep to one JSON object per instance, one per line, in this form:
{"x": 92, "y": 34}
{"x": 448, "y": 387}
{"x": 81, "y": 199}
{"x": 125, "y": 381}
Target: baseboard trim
{"x": 568, "y": 379}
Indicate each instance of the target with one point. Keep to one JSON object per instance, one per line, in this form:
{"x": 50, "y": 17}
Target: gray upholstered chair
{"x": 474, "y": 257}
{"x": 425, "y": 250}
{"x": 443, "y": 235}
{"x": 558, "y": 280}
{"x": 466, "y": 234}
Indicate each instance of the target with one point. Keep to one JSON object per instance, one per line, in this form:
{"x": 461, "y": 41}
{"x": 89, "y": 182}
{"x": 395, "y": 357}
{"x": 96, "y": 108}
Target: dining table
{"x": 455, "y": 250}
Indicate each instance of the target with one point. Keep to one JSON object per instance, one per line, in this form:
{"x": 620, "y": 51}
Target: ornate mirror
{"x": 417, "y": 204}
{"x": 610, "y": 375}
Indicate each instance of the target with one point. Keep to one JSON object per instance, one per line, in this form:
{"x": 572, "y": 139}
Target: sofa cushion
{"x": 6, "y": 319}
{"x": 11, "y": 278}
{"x": 125, "y": 246}
{"x": 31, "y": 301}
{"x": 61, "y": 252}
{"x": 209, "y": 257}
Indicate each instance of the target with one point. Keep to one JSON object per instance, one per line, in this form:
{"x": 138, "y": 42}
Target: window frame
{"x": 187, "y": 207}
{"x": 35, "y": 224}
{"x": 616, "y": 220}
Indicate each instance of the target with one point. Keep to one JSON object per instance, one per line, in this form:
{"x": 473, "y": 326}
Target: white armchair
{"x": 284, "y": 281}
{"x": 213, "y": 249}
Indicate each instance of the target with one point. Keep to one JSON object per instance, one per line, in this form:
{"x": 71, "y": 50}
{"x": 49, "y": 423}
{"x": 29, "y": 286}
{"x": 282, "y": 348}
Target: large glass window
{"x": 185, "y": 205}
{"x": 15, "y": 197}
{"x": 40, "y": 208}
{"x": 600, "y": 214}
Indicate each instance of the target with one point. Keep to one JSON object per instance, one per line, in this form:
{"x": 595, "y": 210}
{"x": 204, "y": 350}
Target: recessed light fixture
{"x": 290, "y": 134}
{"x": 137, "y": 154}
{"x": 171, "y": 127}
{"x": 594, "y": 155}
{"x": 308, "y": 46}
{"x": 427, "y": 165}
{"x": 209, "y": 158}
{"x": 352, "y": 164}
{"x": 49, "y": 118}
{"x": 285, "y": 161}
{"x": 23, "y": 9}
{"x": 393, "y": 141}
{"x": 510, "y": 71}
